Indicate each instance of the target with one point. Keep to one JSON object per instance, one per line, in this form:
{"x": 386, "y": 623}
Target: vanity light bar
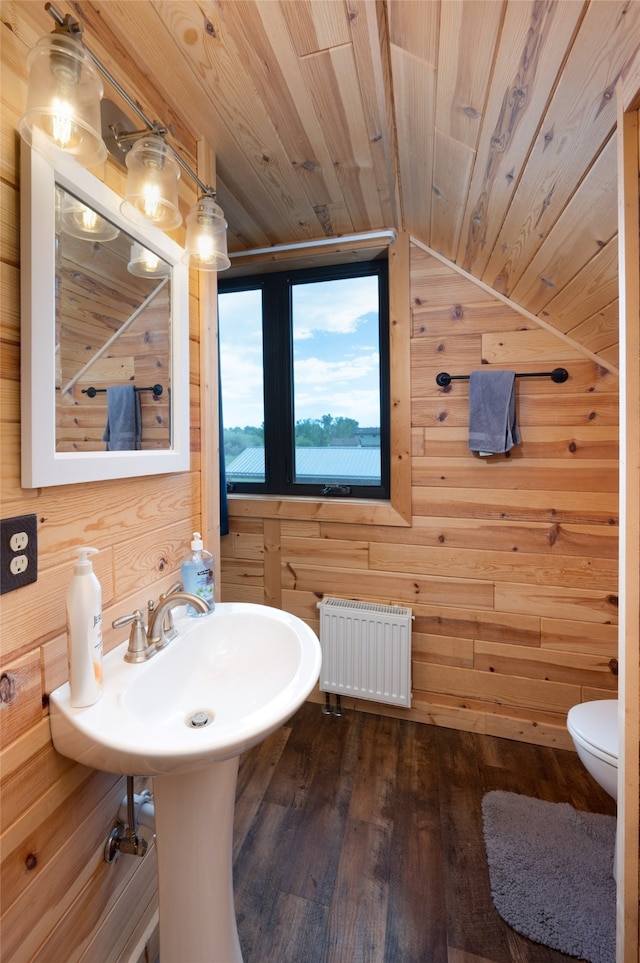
{"x": 152, "y": 162}
{"x": 75, "y": 27}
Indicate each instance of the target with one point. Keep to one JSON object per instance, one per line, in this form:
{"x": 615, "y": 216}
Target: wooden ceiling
{"x": 485, "y": 128}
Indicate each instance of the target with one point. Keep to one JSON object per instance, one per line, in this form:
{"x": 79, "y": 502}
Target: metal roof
{"x": 322, "y": 465}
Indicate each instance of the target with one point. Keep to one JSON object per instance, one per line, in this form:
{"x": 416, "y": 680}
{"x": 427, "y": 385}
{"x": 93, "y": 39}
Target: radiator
{"x": 366, "y": 650}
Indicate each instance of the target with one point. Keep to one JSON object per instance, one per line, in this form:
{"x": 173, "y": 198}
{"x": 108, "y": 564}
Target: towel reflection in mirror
{"x": 123, "y": 431}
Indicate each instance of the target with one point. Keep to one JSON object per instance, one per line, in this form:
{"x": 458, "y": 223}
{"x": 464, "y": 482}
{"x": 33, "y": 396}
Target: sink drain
{"x": 200, "y": 719}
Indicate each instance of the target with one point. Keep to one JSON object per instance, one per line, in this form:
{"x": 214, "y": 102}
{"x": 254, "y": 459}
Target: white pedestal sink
{"x": 194, "y": 827}
{"x": 223, "y": 685}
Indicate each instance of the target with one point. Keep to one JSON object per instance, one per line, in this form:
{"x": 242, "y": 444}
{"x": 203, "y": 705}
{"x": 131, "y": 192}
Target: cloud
{"x": 362, "y": 404}
{"x": 347, "y": 388}
{"x": 315, "y": 371}
{"x": 333, "y": 306}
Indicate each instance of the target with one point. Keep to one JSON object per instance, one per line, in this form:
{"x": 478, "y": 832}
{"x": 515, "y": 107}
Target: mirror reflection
{"x": 112, "y": 335}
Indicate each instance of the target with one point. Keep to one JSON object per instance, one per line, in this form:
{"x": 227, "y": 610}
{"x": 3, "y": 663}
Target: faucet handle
{"x": 127, "y": 619}
{"x": 139, "y": 650}
{"x": 176, "y": 587}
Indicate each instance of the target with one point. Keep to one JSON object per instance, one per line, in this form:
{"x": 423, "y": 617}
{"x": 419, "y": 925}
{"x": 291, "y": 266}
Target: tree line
{"x": 309, "y": 433}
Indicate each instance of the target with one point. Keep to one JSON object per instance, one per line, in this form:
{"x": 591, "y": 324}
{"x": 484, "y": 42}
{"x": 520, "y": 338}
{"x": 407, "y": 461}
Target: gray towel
{"x": 123, "y": 419}
{"x": 492, "y": 412}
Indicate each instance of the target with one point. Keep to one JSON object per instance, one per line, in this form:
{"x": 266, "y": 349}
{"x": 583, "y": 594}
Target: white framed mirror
{"x": 104, "y": 334}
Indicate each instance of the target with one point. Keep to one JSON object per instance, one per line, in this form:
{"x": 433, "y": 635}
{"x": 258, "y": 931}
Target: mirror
{"x": 113, "y": 328}
{"x": 104, "y": 341}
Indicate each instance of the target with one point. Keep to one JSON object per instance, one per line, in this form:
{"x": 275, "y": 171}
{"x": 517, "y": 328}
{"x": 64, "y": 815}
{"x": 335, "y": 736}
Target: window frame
{"x": 276, "y": 289}
{"x": 266, "y": 512}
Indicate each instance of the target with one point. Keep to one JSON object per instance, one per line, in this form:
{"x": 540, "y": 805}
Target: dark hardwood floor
{"x": 358, "y": 839}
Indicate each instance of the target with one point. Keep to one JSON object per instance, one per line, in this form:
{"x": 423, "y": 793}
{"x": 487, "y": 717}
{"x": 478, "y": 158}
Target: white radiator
{"x": 366, "y": 650}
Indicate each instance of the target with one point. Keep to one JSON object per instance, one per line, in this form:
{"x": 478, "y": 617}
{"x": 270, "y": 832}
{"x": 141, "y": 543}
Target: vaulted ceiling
{"x": 485, "y": 128}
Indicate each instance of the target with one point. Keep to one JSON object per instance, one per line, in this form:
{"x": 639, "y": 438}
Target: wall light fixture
{"x": 152, "y": 183}
{"x": 63, "y": 100}
{"x": 62, "y": 121}
{"x": 206, "y": 244}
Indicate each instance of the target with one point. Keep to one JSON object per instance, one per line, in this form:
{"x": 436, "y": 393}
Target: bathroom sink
{"x": 223, "y": 685}
{"x": 226, "y": 682}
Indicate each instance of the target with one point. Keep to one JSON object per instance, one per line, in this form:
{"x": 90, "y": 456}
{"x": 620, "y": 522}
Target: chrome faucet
{"x": 145, "y": 642}
{"x": 156, "y": 634}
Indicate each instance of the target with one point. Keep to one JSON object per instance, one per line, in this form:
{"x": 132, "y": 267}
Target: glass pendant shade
{"x": 206, "y": 244}
{"x": 80, "y": 221}
{"x": 145, "y": 264}
{"x": 152, "y": 184}
{"x": 62, "y": 117}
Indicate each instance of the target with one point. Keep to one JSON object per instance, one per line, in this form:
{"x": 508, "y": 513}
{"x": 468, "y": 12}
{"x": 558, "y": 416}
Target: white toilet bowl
{"x": 594, "y": 729}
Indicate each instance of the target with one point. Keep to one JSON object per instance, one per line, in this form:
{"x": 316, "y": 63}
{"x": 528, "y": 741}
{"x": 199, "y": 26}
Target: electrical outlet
{"x": 18, "y": 552}
{"x": 18, "y": 542}
{"x": 18, "y": 564}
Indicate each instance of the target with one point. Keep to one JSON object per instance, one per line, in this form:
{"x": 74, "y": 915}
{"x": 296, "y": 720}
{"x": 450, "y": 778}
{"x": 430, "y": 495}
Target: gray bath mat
{"x": 551, "y": 873}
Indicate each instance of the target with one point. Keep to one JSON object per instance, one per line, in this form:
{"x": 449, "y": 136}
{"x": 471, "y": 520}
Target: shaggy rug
{"x": 551, "y": 873}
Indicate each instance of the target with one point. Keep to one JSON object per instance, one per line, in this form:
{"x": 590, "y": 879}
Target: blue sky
{"x": 335, "y": 352}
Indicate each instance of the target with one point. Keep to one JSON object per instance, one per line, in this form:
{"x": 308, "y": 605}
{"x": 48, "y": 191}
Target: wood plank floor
{"x": 358, "y": 839}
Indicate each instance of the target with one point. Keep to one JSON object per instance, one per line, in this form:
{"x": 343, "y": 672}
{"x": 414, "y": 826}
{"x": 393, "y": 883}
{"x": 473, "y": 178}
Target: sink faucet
{"x": 143, "y": 643}
{"x": 156, "y": 635}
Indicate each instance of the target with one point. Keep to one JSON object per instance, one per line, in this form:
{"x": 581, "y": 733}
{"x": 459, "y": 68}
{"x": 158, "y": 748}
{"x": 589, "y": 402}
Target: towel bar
{"x": 558, "y": 375}
{"x": 92, "y": 392}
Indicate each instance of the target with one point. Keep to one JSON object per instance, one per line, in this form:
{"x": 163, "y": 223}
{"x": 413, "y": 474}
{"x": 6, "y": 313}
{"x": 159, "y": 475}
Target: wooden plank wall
{"x": 509, "y": 563}
{"x": 59, "y": 899}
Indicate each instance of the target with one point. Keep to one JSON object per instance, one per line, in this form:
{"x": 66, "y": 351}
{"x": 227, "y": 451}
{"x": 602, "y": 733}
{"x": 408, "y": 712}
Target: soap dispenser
{"x": 198, "y": 576}
{"x": 84, "y": 631}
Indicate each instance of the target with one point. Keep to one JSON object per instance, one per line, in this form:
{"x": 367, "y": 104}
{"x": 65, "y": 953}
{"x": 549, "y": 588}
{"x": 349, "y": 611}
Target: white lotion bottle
{"x": 84, "y": 632}
{"x": 198, "y": 576}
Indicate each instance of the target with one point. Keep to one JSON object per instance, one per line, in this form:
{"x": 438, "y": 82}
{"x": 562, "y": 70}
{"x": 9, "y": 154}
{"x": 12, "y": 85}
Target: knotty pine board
{"x": 571, "y": 442}
{"x": 545, "y": 538}
{"x": 599, "y": 332}
{"x": 452, "y": 408}
{"x": 557, "y": 506}
{"x": 591, "y": 290}
{"x": 580, "y": 113}
{"x": 532, "y": 48}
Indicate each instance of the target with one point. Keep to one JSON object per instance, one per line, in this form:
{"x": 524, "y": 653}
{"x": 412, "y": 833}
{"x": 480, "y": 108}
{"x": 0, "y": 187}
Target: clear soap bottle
{"x": 198, "y": 575}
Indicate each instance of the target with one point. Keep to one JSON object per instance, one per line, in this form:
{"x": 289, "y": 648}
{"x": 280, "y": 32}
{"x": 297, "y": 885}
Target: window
{"x": 304, "y": 367}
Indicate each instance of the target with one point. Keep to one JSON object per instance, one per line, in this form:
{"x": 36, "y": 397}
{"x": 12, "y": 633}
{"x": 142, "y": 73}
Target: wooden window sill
{"x": 358, "y": 511}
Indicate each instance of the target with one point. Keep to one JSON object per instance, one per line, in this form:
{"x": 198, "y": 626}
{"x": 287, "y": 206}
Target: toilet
{"x": 593, "y": 726}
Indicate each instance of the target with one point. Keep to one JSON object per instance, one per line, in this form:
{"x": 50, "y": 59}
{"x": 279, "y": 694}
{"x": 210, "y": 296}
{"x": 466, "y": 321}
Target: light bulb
{"x": 149, "y": 203}
{"x": 63, "y": 131}
{"x": 88, "y": 219}
{"x": 205, "y": 251}
{"x": 151, "y": 262}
